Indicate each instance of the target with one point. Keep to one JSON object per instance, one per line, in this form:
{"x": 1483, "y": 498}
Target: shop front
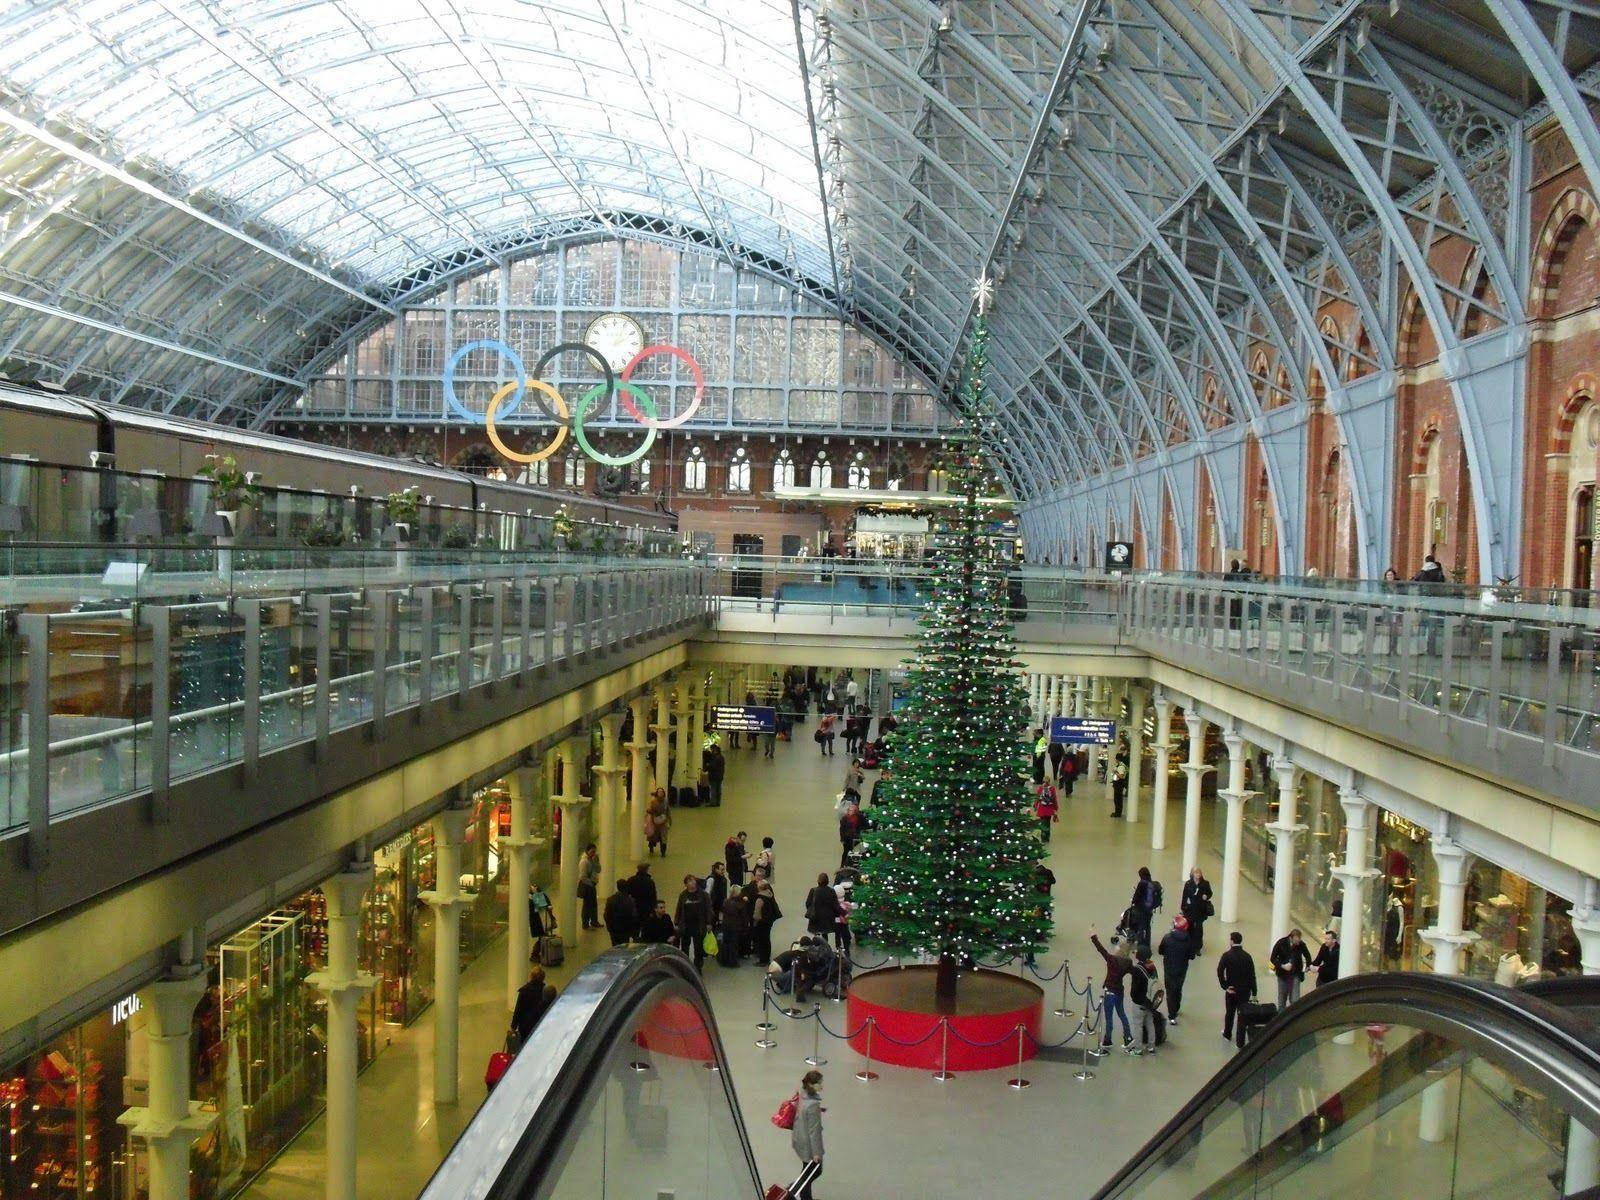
{"x": 260, "y": 1033}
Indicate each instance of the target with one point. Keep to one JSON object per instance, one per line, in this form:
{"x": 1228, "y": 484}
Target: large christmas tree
{"x": 951, "y": 866}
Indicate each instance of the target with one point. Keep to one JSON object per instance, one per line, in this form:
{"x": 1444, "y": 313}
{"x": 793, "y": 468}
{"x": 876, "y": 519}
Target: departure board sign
{"x": 1083, "y": 731}
{"x": 744, "y": 718}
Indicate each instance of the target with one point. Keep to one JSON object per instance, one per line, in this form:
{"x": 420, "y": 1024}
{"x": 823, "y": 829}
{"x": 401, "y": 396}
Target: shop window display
{"x": 60, "y": 1108}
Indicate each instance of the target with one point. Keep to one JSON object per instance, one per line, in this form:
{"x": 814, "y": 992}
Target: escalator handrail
{"x": 532, "y": 1117}
{"x": 1514, "y": 1028}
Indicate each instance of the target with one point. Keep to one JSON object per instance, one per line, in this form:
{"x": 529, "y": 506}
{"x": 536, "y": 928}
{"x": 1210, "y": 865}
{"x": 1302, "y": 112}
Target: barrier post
{"x": 1062, "y": 1011}
{"x": 943, "y": 1073}
{"x": 1083, "y": 1071}
{"x": 815, "y": 1059}
{"x": 765, "y": 1041}
{"x": 1019, "y": 1082}
{"x": 867, "y": 1074}
{"x": 766, "y": 991}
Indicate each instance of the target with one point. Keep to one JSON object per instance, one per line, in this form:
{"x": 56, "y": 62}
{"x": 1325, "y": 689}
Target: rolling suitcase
{"x": 1255, "y": 1018}
{"x": 808, "y": 1173}
{"x": 551, "y": 952}
{"x": 688, "y": 798}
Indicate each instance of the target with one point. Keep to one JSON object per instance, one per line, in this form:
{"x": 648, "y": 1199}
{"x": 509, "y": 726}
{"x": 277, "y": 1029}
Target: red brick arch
{"x": 1572, "y": 213}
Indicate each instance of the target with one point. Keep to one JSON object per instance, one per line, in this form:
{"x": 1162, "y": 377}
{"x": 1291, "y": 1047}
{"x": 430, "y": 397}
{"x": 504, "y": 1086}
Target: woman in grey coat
{"x": 807, "y": 1134}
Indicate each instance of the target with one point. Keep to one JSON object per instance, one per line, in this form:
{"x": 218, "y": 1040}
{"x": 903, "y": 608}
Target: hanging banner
{"x": 744, "y": 718}
{"x": 1083, "y": 731}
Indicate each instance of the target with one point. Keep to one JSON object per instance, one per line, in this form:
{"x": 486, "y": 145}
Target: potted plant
{"x": 403, "y": 508}
{"x": 562, "y": 525}
{"x": 231, "y": 489}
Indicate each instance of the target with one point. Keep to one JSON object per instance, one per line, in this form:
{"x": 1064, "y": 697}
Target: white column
{"x": 171, "y": 1123}
{"x": 1158, "y": 794}
{"x": 1233, "y": 833}
{"x": 520, "y": 848}
{"x": 1354, "y": 876}
{"x": 1137, "y": 698}
{"x": 639, "y": 798}
{"x": 572, "y": 803}
{"x": 697, "y": 729}
{"x": 1285, "y": 830}
{"x": 1093, "y": 706}
{"x": 1195, "y": 769}
{"x": 447, "y": 900}
{"x": 1583, "y": 1147}
{"x": 344, "y": 984}
{"x": 663, "y": 731}
{"x": 608, "y": 800}
{"x": 680, "y": 775}
{"x": 1447, "y": 939}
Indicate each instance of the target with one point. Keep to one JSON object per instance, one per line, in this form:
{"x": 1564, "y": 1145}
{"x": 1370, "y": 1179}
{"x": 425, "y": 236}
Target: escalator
{"x": 1383, "y": 1087}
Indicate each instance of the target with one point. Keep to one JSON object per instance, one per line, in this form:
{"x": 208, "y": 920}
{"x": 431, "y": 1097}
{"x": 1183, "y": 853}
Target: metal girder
{"x": 1516, "y": 17}
{"x": 1494, "y": 538}
{"x": 1066, "y": 70}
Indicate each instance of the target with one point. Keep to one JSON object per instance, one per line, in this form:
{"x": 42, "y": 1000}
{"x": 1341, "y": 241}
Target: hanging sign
{"x": 744, "y": 718}
{"x": 1119, "y": 556}
{"x": 1083, "y": 731}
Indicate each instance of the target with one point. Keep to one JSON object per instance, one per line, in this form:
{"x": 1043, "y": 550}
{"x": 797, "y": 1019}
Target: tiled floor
{"x": 903, "y": 1134}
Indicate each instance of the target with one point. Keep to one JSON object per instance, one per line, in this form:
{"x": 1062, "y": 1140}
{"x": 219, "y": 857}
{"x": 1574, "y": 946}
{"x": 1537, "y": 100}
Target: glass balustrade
{"x": 131, "y": 669}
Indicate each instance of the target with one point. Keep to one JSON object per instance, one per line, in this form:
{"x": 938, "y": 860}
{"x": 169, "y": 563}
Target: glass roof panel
{"x": 312, "y": 116}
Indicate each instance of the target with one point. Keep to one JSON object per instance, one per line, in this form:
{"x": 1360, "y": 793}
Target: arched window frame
{"x": 859, "y": 476}
{"x": 739, "y": 471}
{"x": 821, "y": 470}
{"x": 783, "y": 469}
{"x": 694, "y": 470}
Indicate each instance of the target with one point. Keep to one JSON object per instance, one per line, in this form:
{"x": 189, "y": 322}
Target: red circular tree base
{"x": 673, "y": 1027}
{"x": 989, "y": 1007}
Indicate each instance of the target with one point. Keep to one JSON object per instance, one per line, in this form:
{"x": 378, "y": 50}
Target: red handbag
{"x": 784, "y": 1117}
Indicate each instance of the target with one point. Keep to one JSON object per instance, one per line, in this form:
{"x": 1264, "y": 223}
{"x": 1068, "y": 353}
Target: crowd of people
{"x": 1131, "y": 975}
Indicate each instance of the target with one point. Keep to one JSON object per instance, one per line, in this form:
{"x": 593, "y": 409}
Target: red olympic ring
{"x": 699, "y": 386}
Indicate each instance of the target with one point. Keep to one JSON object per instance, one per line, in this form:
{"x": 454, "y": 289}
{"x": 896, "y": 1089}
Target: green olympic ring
{"x": 582, "y": 406}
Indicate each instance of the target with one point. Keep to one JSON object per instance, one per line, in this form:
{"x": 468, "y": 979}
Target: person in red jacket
{"x": 1117, "y": 961}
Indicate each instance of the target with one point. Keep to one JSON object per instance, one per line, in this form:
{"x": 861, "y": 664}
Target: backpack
{"x": 1155, "y": 893}
{"x": 784, "y": 1117}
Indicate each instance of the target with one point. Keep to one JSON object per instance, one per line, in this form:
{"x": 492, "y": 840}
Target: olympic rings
{"x": 632, "y": 396}
{"x": 582, "y": 406}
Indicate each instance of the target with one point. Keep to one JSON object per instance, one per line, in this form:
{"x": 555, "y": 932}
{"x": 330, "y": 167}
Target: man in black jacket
{"x": 1176, "y": 950}
{"x": 643, "y": 890}
{"x": 716, "y": 769}
{"x": 621, "y": 917}
{"x": 735, "y": 858}
{"x": 1236, "y": 976}
{"x": 1327, "y": 960}
{"x": 692, "y": 919}
{"x": 656, "y": 925}
{"x": 533, "y": 1000}
{"x": 1290, "y": 958}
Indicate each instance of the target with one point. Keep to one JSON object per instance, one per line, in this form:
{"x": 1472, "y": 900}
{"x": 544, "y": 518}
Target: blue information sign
{"x": 744, "y": 718}
{"x": 1083, "y": 731}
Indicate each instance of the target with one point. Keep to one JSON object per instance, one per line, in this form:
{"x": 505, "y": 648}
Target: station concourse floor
{"x": 905, "y": 1133}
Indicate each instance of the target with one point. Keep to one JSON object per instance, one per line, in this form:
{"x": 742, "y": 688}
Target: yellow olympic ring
{"x": 499, "y": 398}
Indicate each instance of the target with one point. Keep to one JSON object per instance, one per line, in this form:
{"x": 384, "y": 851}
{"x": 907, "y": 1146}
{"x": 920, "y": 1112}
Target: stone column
{"x": 639, "y": 797}
{"x": 573, "y": 804}
{"x": 1158, "y": 792}
{"x": 1285, "y": 831}
{"x": 171, "y": 1123}
{"x": 344, "y": 984}
{"x": 1036, "y": 695}
{"x": 1233, "y": 832}
{"x": 697, "y": 729}
{"x": 1195, "y": 769}
{"x": 520, "y": 848}
{"x": 447, "y": 900}
{"x": 608, "y": 801}
{"x": 1447, "y": 938}
{"x": 680, "y": 774}
{"x": 1354, "y": 876}
{"x": 1093, "y": 705}
{"x": 663, "y": 731}
{"x": 1583, "y": 1148}
{"x": 1137, "y": 698}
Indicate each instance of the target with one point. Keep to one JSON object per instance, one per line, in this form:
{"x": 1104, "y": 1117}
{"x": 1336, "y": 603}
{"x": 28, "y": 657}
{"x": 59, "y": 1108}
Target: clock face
{"x": 617, "y": 337}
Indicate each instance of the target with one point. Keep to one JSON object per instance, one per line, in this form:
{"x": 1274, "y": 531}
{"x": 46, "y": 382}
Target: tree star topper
{"x": 983, "y": 293}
